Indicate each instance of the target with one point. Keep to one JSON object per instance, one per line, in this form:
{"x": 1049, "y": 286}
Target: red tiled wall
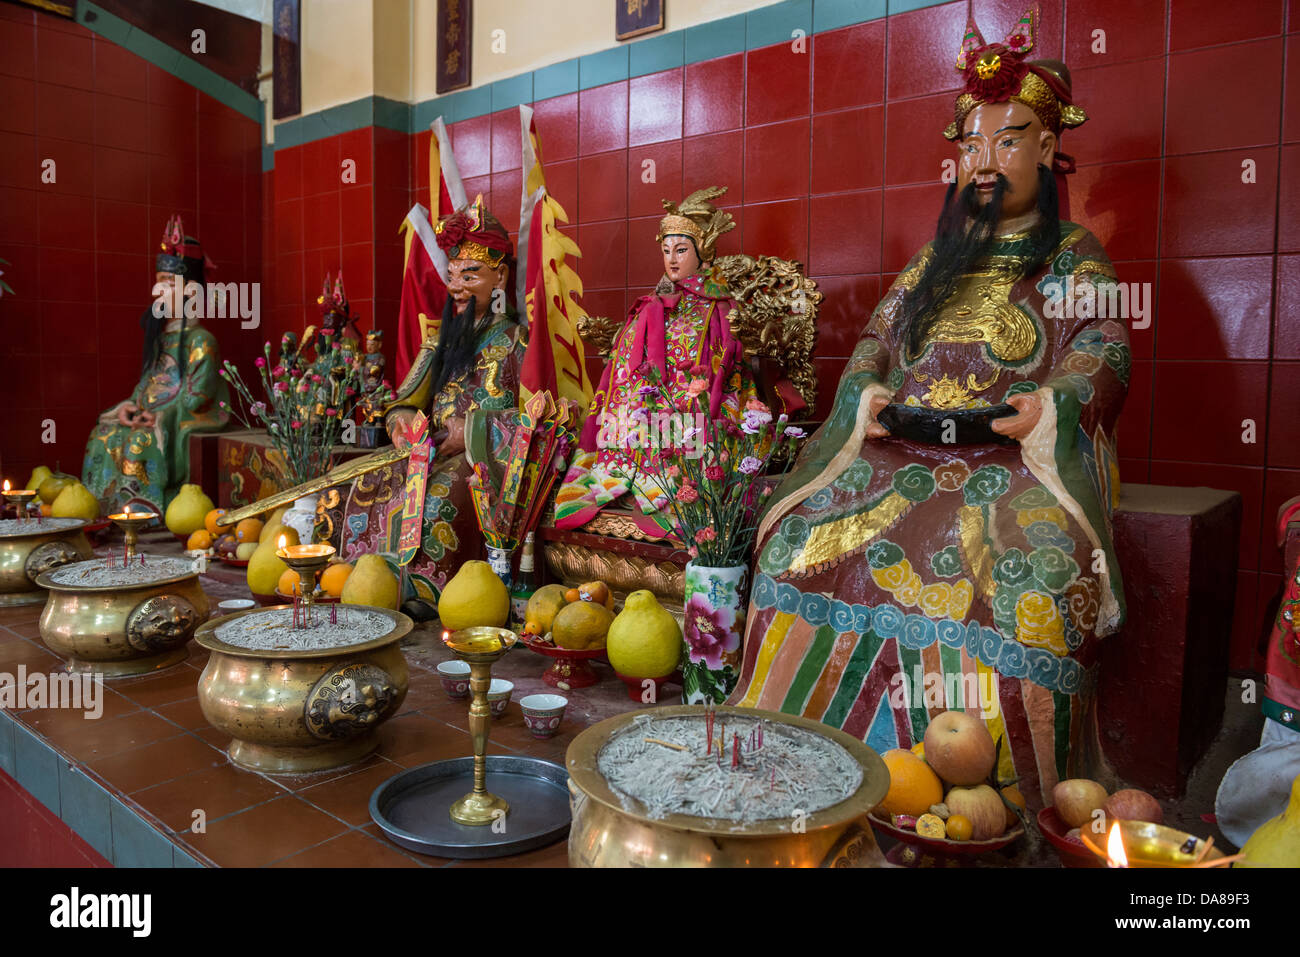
{"x": 833, "y": 157}
{"x": 320, "y": 223}
{"x": 132, "y": 145}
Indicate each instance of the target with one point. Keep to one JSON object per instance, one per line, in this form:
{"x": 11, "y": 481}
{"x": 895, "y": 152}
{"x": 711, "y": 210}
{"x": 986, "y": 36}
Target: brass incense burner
{"x": 33, "y": 547}
{"x": 610, "y": 832}
{"x": 481, "y": 647}
{"x": 293, "y": 711}
{"x": 122, "y": 630}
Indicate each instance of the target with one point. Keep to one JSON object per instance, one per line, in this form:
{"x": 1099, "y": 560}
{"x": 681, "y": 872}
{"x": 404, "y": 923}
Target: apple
{"x": 959, "y": 748}
{"x": 1130, "y": 804}
{"x": 982, "y": 806}
{"x": 1076, "y": 799}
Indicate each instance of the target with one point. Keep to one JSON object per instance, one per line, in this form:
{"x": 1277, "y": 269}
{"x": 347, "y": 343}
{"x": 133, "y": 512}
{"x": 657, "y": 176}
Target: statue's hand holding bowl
{"x": 127, "y": 414}
{"x": 1029, "y": 409}
{"x": 146, "y": 420}
{"x": 876, "y": 405}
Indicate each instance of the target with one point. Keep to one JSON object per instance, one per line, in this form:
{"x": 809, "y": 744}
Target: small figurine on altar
{"x": 952, "y": 517}
{"x": 139, "y": 451}
{"x": 470, "y": 360}
{"x": 682, "y": 331}
{"x": 372, "y": 366}
{"x": 337, "y": 318}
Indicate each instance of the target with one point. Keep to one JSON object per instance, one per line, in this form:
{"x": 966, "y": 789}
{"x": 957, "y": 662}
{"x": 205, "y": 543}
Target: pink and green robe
{"x": 683, "y": 335}
{"x": 889, "y": 569}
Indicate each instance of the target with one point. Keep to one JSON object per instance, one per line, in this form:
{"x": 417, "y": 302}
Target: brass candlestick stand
{"x": 307, "y": 561}
{"x": 130, "y": 523}
{"x": 20, "y": 499}
{"x": 480, "y": 647}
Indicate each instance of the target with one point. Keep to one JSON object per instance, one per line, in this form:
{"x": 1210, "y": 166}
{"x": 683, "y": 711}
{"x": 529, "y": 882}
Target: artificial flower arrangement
{"x": 307, "y": 402}
{"x": 715, "y": 496}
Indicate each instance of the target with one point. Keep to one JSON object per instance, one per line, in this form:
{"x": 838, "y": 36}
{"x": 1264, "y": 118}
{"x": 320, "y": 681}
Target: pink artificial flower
{"x": 709, "y": 632}
{"x": 331, "y": 411}
{"x": 278, "y": 371}
{"x": 260, "y": 362}
{"x": 316, "y": 378}
{"x": 754, "y": 405}
{"x": 706, "y": 534}
{"x": 696, "y": 387}
{"x": 687, "y": 494}
{"x": 795, "y": 433}
{"x": 749, "y": 465}
{"x": 693, "y": 552}
{"x": 281, "y": 387}
{"x": 713, "y": 473}
{"x": 672, "y": 471}
{"x": 295, "y": 424}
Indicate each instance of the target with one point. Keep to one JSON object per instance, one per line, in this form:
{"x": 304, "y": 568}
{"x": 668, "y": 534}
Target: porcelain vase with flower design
{"x": 713, "y": 626}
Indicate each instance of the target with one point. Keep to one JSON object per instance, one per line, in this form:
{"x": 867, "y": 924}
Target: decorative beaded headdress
{"x": 473, "y": 233}
{"x": 998, "y": 73}
{"x": 181, "y": 255}
{"x": 696, "y": 218}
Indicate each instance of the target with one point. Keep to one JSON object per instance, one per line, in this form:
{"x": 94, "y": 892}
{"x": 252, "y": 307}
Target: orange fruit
{"x": 199, "y": 539}
{"x": 1015, "y": 797}
{"x": 594, "y": 591}
{"x": 960, "y": 827}
{"x": 210, "y": 522}
{"x": 289, "y": 583}
{"x": 913, "y": 786}
{"x": 248, "y": 530}
{"x": 46, "y": 510}
{"x": 572, "y": 595}
{"x": 333, "y": 577}
{"x": 919, "y": 749}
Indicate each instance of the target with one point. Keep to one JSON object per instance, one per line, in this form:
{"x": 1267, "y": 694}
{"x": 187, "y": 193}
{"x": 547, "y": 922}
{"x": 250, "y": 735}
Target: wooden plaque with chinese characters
{"x": 635, "y": 17}
{"x": 286, "y": 63}
{"x": 453, "y": 44}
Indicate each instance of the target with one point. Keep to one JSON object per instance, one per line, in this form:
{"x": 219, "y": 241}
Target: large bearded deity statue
{"x": 926, "y": 535}
{"x": 139, "y": 451}
{"x": 680, "y": 334}
{"x": 470, "y": 359}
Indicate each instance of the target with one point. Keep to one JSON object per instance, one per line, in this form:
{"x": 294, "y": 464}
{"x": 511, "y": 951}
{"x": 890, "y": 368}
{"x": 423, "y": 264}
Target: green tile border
{"x": 7, "y": 745}
{"x": 36, "y": 767}
{"x": 558, "y": 79}
{"x": 110, "y": 27}
{"x": 776, "y": 24}
{"x": 86, "y": 808}
{"x": 834, "y": 14}
{"x": 607, "y": 66}
{"x": 656, "y": 53}
{"x": 707, "y": 41}
{"x": 90, "y": 810}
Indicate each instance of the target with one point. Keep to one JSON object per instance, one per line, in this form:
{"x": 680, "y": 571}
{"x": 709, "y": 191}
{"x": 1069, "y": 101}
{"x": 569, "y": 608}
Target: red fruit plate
{"x": 636, "y": 686}
{"x": 1072, "y": 851}
{"x": 943, "y": 845}
{"x": 237, "y": 562}
{"x": 571, "y": 668}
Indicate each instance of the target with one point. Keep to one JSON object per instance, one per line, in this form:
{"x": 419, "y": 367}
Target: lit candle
{"x": 1115, "y": 856}
{"x": 6, "y": 485}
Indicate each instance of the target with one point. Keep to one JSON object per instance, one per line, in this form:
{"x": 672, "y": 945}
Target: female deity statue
{"x": 470, "y": 360}
{"x": 139, "y": 451}
{"x": 944, "y": 540}
{"x": 681, "y": 335}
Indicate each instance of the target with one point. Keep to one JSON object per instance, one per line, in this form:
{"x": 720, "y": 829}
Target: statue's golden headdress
{"x": 999, "y": 72}
{"x": 698, "y": 219}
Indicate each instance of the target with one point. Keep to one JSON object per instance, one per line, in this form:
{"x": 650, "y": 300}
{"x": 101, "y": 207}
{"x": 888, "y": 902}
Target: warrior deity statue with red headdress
{"x": 139, "y": 451}
{"x": 944, "y": 540}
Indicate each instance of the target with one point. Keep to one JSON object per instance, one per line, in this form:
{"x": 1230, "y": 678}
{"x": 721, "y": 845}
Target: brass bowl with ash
{"x": 672, "y": 787}
{"x": 122, "y": 620}
{"x": 296, "y": 695}
{"x": 29, "y": 547}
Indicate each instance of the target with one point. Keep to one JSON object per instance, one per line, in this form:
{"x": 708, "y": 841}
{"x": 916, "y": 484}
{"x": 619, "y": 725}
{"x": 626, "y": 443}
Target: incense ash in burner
{"x": 273, "y": 630}
{"x": 666, "y": 764}
{"x": 97, "y": 574}
{"x": 30, "y": 526}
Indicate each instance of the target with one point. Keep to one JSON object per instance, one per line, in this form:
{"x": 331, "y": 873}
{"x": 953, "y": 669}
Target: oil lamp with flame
{"x": 19, "y": 499}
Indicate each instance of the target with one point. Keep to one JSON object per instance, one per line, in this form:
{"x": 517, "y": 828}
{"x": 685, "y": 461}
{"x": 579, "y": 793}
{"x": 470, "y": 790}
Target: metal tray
{"x": 412, "y": 807}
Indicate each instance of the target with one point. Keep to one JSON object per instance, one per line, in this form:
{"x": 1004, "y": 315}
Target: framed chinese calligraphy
{"x": 286, "y": 63}
{"x": 453, "y": 44}
{"x": 635, "y": 17}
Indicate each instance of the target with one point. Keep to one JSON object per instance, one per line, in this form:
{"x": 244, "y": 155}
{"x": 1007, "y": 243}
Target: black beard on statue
{"x": 153, "y": 333}
{"x": 965, "y": 234}
{"x": 458, "y": 339}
